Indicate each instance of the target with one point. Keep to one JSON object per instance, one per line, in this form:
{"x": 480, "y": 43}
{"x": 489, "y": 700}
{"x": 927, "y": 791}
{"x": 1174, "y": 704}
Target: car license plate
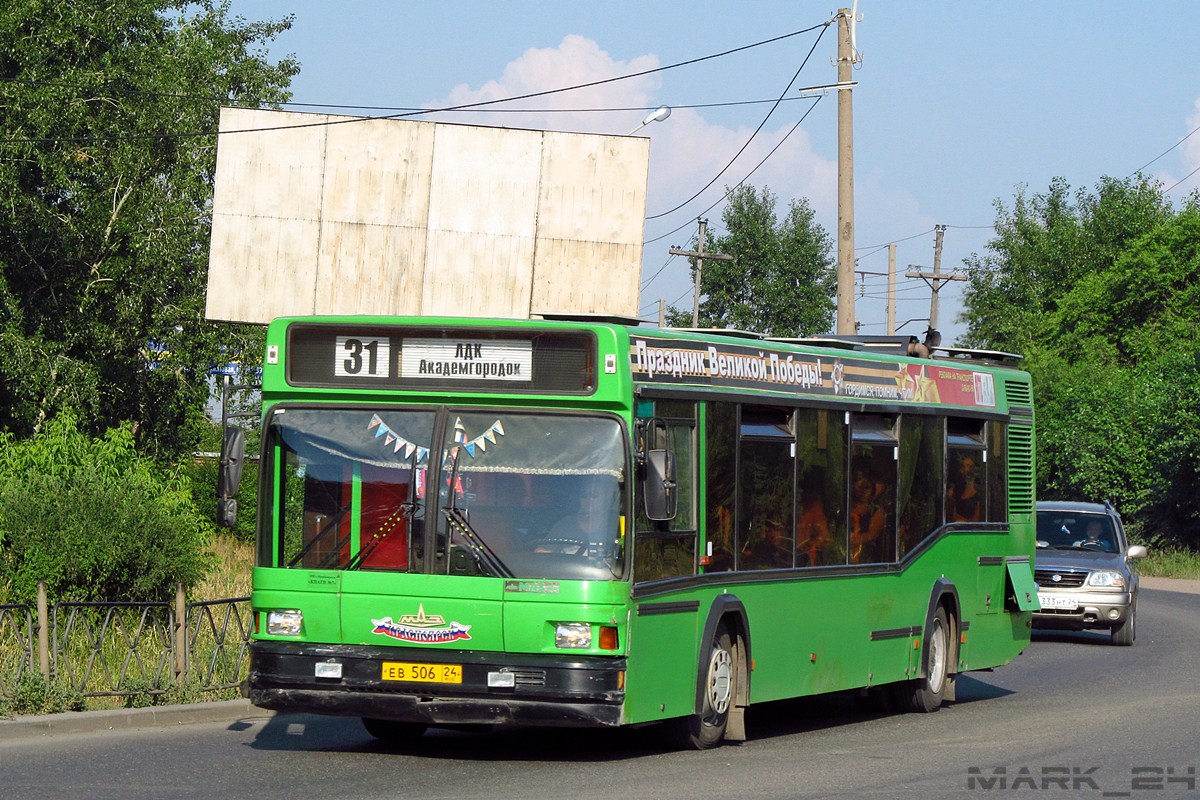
{"x": 1054, "y": 601}
{"x": 422, "y": 673}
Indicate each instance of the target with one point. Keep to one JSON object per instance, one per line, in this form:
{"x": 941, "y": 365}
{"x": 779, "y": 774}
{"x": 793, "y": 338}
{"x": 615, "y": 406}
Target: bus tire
{"x": 927, "y": 693}
{"x": 706, "y": 728}
{"x": 393, "y": 732}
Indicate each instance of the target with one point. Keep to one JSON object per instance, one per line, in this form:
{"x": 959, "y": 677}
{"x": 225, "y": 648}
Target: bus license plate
{"x": 422, "y": 673}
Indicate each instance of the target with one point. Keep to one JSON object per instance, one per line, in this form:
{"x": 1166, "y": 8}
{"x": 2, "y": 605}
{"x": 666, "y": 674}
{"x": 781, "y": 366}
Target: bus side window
{"x": 721, "y": 465}
{"x": 820, "y": 487}
{"x": 966, "y": 487}
{"x": 873, "y": 489}
{"x": 667, "y": 548}
{"x": 922, "y": 441}
{"x": 997, "y": 485}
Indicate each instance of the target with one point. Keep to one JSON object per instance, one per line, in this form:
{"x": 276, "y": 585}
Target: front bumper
{"x": 1094, "y": 610}
{"x": 556, "y": 691}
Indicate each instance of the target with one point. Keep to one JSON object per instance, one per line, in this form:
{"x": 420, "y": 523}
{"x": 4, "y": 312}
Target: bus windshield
{"x": 499, "y": 493}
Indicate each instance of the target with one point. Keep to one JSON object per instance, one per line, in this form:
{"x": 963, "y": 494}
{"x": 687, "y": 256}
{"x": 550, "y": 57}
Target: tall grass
{"x": 1170, "y": 563}
{"x": 230, "y": 577}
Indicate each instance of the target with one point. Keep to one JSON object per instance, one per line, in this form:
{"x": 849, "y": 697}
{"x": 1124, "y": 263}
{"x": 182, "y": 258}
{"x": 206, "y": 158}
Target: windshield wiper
{"x": 408, "y": 508}
{"x": 480, "y": 550}
{"x": 331, "y": 525}
{"x": 484, "y": 555}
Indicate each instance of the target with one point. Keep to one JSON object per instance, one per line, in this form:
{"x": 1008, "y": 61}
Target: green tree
{"x": 780, "y": 280}
{"x": 108, "y": 112}
{"x": 1044, "y": 245}
{"x": 1100, "y": 294}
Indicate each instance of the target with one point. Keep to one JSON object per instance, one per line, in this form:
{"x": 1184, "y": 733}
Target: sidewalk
{"x": 1172, "y": 584}
{"x": 129, "y": 719}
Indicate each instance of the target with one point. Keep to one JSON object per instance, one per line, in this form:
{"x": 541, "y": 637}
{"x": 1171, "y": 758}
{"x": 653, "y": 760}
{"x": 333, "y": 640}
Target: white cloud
{"x": 1191, "y": 148}
{"x": 687, "y": 151}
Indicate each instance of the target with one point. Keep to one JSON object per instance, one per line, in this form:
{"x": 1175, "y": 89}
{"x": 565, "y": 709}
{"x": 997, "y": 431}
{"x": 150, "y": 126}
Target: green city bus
{"x": 585, "y": 522}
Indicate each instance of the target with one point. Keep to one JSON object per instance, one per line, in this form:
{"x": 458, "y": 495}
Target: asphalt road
{"x": 1072, "y": 718}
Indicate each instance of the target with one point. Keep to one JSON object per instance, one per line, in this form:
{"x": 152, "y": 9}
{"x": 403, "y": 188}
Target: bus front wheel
{"x": 706, "y": 728}
{"x": 926, "y": 694}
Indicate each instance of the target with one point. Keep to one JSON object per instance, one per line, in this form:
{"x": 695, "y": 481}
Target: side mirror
{"x": 661, "y": 494}
{"x": 1136, "y": 551}
{"x": 229, "y": 475}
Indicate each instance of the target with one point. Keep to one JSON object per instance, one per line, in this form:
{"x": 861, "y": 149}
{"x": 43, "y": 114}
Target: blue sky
{"x": 957, "y": 104}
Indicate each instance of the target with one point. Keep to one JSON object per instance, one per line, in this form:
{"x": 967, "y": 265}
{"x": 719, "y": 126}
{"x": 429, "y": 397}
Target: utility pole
{"x": 700, "y": 255}
{"x": 891, "y": 307}
{"x": 935, "y": 278}
{"x": 845, "y": 64}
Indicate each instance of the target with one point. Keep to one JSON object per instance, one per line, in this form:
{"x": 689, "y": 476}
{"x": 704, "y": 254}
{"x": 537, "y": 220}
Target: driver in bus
{"x": 591, "y": 529}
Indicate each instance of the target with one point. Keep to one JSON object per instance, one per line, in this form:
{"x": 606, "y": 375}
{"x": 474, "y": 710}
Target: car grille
{"x": 1068, "y": 578}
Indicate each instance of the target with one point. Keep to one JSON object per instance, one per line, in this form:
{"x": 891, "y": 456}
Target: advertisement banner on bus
{"x": 675, "y": 361}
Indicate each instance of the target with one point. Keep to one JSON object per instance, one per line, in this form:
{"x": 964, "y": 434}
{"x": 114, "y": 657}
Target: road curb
{"x": 130, "y": 719}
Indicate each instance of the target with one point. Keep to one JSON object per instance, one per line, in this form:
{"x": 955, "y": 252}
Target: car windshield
{"x": 1062, "y": 530}
{"x": 500, "y": 493}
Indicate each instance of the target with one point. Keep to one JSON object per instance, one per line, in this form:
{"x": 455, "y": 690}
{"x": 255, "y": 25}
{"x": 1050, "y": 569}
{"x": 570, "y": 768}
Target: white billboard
{"x": 320, "y": 214}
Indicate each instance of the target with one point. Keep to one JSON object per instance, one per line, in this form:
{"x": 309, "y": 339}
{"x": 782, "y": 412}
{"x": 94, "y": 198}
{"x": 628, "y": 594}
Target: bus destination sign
{"x": 387, "y": 357}
{"x": 467, "y": 359}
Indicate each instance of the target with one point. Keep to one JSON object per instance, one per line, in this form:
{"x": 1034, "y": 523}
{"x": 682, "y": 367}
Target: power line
{"x": 1163, "y": 153}
{"x": 1181, "y": 180}
{"x": 418, "y": 109}
{"x": 824, "y": 27}
{"x": 650, "y": 280}
{"x": 420, "y": 112}
{"x": 743, "y": 180}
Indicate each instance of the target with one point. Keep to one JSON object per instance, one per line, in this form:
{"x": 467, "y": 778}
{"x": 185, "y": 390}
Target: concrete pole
{"x": 845, "y": 63}
{"x": 699, "y": 267}
{"x": 891, "y": 301}
{"x": 937, "y": 272}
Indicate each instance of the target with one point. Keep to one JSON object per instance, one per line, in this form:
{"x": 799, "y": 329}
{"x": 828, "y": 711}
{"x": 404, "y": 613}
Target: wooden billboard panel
{"x": 318, "y": 214}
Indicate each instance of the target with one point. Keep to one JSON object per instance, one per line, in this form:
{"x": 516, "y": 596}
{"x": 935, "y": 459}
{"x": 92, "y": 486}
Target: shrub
{"x": 94, "y": 519}
{"x": 35, "y": 695}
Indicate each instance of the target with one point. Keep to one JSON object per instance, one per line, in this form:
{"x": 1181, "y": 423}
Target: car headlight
{"x": 1106, "y": 579}
{"x": 284, "y": 622}
{"x": 574, "y": 635}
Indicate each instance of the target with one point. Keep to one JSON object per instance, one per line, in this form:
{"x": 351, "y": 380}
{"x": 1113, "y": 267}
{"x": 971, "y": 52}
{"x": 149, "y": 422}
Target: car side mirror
{"x": 1136, "y": 551}
{"x": 229, "y": 475}
{"x": 661, "y": 492}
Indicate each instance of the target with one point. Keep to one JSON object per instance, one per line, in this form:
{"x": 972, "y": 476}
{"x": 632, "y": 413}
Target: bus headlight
{"x": 1106, "y": 579}
{"x": 284, "y": 622}
{"x": 573, "y": 635}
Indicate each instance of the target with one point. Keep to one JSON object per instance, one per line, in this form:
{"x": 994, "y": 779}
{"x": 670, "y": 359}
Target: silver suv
{"x": 1085, "y": 570}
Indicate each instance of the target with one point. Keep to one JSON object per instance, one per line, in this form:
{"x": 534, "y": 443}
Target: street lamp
{"x": 658, "y": 115}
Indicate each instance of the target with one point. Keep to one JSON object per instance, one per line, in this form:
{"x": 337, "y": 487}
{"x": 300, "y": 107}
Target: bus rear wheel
{"x": 706, "y": 728}
{"x": 393, "y": 732}
{"x": 926, "y": 694}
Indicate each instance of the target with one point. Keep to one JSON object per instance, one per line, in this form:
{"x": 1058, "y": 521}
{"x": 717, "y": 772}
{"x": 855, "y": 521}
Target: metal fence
{"x": 121, "y": 649}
